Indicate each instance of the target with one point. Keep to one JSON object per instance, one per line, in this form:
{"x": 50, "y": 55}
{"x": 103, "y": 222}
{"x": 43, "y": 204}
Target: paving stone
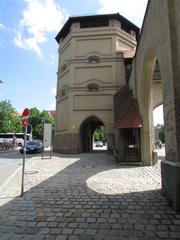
{"x": 74, "y": 237}
{"x": 91, "y": 231}
{"x": 91, "y": 220}
{"x": 67, "y": 231}
{"x": 80, "y": 220}
{"x": 79, "y": 231}
{"x": 176, "y": 222}
{"x": 44, "y": 231}
{"x": 139, "y": 227}
{"x": 32, "y": 230}
{"x": 73, "y": 225}
{"x": 175, "y": 235}
{"x": 102, "y": 220}
{"x": 59, "y": 205}
{"x": 83, "y": 225}
{"x": 55, "y": 231}
{"x": 41, "y": 224}
{"x": 52, "y": 224}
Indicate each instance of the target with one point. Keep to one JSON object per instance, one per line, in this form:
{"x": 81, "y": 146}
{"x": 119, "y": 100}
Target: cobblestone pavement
{"x": 86, "y": 196}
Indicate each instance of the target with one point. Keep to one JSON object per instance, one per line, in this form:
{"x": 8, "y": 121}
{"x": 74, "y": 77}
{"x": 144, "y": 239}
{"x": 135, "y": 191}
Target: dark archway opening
{"x": 87, "y": 130}
{"x": 130, "y": 145}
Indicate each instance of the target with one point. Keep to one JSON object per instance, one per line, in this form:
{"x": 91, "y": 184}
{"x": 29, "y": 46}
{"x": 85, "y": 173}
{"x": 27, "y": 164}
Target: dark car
{"x": 32, "y": 147}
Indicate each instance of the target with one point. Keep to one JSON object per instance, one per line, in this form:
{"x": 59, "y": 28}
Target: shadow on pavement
{"x": 64, "y": 207}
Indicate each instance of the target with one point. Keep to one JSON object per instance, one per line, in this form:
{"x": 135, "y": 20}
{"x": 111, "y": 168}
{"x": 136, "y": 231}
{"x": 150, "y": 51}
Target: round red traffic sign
{"x": 25, "y": 112}
{"x": 25, "y": 117}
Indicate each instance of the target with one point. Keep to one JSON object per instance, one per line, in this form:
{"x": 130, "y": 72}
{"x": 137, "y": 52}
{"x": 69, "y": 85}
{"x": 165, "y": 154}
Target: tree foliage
{"x": 9, "y": 121}
{"x": 37, "y": 120}
{"x": 100, "y": 134}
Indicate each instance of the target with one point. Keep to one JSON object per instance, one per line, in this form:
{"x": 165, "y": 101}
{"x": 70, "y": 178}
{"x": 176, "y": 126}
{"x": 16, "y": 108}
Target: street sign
{"x": 47, "y": 135}
{"x": 25, "y": 117}
{"x": 47, "y": 139}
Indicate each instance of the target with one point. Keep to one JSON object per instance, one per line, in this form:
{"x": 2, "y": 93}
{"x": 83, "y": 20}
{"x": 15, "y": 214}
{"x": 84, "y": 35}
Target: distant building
{"x": 157, "y": 130}
{"x": 52, "y": 113}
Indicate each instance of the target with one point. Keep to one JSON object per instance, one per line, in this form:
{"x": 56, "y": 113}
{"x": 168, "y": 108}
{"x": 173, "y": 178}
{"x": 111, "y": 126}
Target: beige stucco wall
{"x": 155, "y": 44}
{"x": 160, "y": 39}
{"x": 157, "y": 94}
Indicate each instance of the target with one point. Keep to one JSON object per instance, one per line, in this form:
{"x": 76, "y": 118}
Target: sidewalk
{"x": 86, "y": 196}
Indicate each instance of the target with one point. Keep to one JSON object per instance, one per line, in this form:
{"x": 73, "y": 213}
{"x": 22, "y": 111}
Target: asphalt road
{"x": 10, "y": 161}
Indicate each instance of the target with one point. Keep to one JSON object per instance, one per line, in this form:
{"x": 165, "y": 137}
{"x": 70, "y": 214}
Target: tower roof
{"x": 125, "y": 23}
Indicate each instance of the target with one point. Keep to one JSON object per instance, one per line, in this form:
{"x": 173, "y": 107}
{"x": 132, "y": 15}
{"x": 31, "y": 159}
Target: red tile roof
{"x": 52, "y": 113}
{"x": 126, "y": 109}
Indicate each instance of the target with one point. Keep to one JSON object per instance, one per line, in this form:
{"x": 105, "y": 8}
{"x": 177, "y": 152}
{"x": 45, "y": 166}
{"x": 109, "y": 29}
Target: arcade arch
{"x": 150, "y": 97}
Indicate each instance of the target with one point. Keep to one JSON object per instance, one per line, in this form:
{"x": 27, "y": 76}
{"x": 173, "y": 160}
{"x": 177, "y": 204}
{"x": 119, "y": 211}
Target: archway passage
{"x": 159, "y": 132}
{"x": 87, "y": 130}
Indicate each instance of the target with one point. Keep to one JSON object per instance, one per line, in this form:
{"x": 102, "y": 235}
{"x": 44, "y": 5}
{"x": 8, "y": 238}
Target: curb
{"x": 28, "y": 164}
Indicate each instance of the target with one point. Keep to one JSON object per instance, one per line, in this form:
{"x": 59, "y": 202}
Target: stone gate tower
{"x": 91, "y": 69}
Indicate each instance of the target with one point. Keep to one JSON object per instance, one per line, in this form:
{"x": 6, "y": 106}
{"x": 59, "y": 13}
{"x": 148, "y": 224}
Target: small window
{"x": 64, "y": 67}
{"x": 93, "y": 59}
{"x": 93, "y": 87}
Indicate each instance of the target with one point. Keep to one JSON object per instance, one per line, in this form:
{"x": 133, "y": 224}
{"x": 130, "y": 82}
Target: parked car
{"x": 32, "y": 147}
{"x": 6, "y": 144}
{"x": 99, "y": 144}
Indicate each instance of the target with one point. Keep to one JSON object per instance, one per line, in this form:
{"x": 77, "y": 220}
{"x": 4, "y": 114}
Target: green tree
{"x": 100, "y": 134}
{"x": 9, "y": 121}
{"x": 37, "y": 120}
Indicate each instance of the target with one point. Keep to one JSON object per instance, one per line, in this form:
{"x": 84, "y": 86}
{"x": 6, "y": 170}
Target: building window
{"x": 93, "y": 59}
{"x": 92, "y": 24}
{"x": 93, "y": 87}
{"x": 64, "y": 67}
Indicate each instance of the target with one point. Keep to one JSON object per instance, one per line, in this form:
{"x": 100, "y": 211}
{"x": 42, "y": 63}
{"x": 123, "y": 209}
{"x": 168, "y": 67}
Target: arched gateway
{"x": 87, "y": 129}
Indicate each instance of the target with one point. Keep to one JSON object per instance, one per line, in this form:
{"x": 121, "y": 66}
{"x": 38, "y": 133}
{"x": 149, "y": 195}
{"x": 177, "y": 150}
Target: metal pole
{"x": 24, "y": 158}
{"x": 43, "y": 141}
{"x": 31, "y": 132}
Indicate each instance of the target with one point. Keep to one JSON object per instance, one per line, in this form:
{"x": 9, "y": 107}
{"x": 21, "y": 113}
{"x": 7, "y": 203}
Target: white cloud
{"x": 40, "y": 17}
{"x": 2, "y": 27}
{"x": 53, "y": 90}
{"x": 130, "y": 9}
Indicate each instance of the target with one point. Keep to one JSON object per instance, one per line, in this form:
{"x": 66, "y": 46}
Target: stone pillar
{"x": 170, "y": 168}
{"x": 147, "y": 139}
{"x": 111, "y": 143}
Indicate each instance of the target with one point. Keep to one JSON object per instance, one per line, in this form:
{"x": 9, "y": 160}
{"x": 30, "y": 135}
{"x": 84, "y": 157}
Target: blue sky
{"x": 28, "y": 50}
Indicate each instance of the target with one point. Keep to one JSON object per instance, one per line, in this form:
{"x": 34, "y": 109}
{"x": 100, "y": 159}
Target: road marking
{"x": 9, "y": 179}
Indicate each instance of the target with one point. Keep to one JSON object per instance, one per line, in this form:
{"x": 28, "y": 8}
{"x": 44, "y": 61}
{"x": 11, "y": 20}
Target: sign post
{"x": 25, "y": 117}
{"x": 47, "y": 138}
